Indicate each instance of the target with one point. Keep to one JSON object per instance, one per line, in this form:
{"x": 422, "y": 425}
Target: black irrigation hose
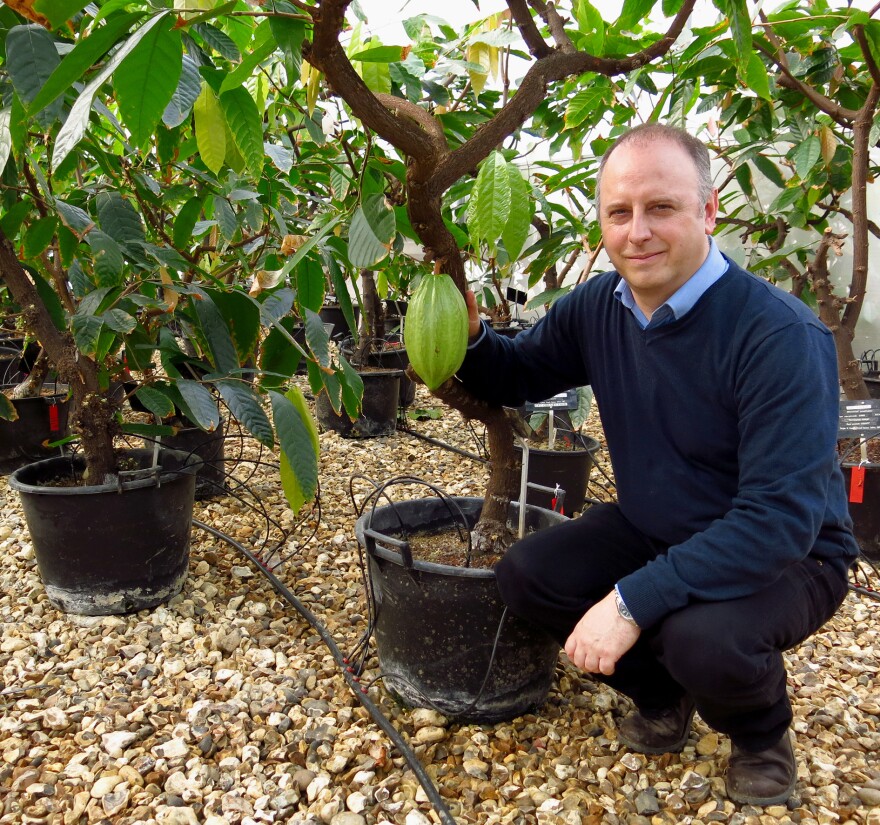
{"x": 437, "y": 443}
{"x": 356, "y": 688}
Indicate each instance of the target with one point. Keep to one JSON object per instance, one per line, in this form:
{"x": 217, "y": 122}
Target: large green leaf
{"x": 245, "y": 405}
{"x": 516, "y": 229}
{"x": 121, "y": 221}
{"x": 279, "y": 358}
{"x": 185, "y": 222}
{"x": 489, "y": 208}
{"x": 317, "y": 338}
{"x": 372, "y": 230}
{"x": 199, "y": 404}
{"x": 805, "y": 156}
{"x": 157, "y": 57}
{"x": 633, "y": 13}
{"x": 107, "y": 257}
{"x": 246, "y": 125}
{"x": 31, "y": 57}
{"x": 276, "y": 306}
{"x": 58, "y": 12}
{"x": 86, "y": 331}
{"x": 70, "y": 134}
{"x": 756, "y": 76}
{"x": 263, "y": 45}
{"x": 81, "y": 58}
{"x": 185, "y": 95}
{"x": 310, "y": 284}
{"x": 352, "y": 386}
{"x": 210, "y": 129}
{"x": 242, "y": 317}
{"x": 587, "y": 103}
{"x": 289, "y": 35}
{"x": 7, "y": 409}
{"x": 298, "y": 437}
{"x": 49, "y": 298}
{"x": 216, "y": 332}
{"x": 157, "y": 402}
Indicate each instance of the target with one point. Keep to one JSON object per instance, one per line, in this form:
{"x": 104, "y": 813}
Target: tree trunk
{"x": 92, "y": 413}
{"x": 32, "y": 386}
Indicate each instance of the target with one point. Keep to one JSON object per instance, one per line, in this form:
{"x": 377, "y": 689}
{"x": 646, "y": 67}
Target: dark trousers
{"x": 727, "y": 655}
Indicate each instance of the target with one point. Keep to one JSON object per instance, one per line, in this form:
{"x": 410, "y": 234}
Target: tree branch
{"x": 527, "y": 29}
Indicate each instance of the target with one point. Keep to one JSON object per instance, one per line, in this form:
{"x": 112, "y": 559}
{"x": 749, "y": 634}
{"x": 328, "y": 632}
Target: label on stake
{"x": 857, "y": 485}
{"x": 53, "y": 418}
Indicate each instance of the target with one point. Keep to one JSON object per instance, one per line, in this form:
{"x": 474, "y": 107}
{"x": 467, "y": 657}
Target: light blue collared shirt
{"x": 683, "y": 299}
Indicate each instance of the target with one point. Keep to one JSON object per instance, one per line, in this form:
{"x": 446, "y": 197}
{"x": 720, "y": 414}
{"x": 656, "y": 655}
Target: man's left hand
{"x": 601, "y": 637}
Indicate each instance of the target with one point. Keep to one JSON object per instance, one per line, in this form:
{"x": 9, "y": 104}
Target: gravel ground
{"x": 224, "y": 706}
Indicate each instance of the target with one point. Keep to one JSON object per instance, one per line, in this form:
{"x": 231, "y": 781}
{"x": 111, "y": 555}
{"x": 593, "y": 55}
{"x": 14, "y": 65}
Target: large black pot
{"x": 40, "y": 420}
{"x": 378, "y": 408}
{"x": 442, "y": 634}
{"x": 108, "y": 548}
{"x": 209, "y": 450}
{"x": 866, "y": 513}
{"x": 333, "y": 315}
{"x": 568, "y": 468}
{"x": 389, "y": 358}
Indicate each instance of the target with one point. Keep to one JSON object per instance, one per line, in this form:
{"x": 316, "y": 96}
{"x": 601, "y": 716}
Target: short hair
{"x": 648, "y": 133}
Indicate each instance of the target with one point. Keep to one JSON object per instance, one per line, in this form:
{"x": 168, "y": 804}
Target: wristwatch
{"x": 622, "y": 609}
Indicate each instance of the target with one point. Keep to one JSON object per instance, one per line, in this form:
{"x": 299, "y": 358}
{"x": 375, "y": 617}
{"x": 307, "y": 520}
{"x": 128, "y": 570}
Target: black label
{"x": 567, "y": 400}
{"x": 859, "y": 418}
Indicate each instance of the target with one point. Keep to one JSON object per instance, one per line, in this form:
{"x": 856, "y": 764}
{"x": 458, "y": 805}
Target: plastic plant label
{"x": 857, "y": 485}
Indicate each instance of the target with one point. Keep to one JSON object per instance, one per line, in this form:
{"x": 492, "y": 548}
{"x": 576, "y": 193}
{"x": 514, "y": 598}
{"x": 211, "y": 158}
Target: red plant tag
{"x": 53, "y": 418}
{"x": 857, "y": 485}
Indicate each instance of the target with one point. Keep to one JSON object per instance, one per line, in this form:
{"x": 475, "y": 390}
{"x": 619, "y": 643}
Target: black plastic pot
{"x": 568, "y": 468}
{"x": 866, "y": 514}
{"x": 109, "y": 549}
{"x": 442, "y": 635}
{"x": 389, "y": 358}
{"x": 209, "y": 450}
{"x": 333, "y": 315}
{"x": 40, "y": 420}
{"x": 378, "y": 409}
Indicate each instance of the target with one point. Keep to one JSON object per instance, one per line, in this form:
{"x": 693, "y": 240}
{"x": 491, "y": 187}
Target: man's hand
{"x": 474, "y": 325}
{"x": 600, "y": 638}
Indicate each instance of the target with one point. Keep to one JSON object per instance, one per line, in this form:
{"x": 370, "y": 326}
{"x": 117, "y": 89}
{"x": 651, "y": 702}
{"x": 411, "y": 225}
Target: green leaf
{"x": 279, "y": 359}
{"x": 50, "y": 299}
{"x": 74, "y": 127}
{"x": 75, "y": 219}
{"x": 58, "y": 11}
{"x": 157, "y": 57}
{"x": 785, "y": 199}
{"x": 201, "y": 408}
{"x": 317, "y": 338}
{"x": 86, "y": 331}
{"x": 756, "y": 77}
{"x": 5, "y": 137}
{"x": 81, "y": 58}
{"x": 591, "y": 26}
{"x": 298, "y": 437}
{"x": 185, "y": 95}
{"x": 158, "y": 403}
{"x": 219, "y": 41}
{"x": 738, "y": 18}
{"x": 289, "y": 35}
{"x": 379, "y": 54}
{"x": 352, "y": 389}
{"x": 119, "y": 321}
{"x": 242, "y": 316}
{"x": 210, "y": 129}
{"x": 107, "y": 257}
{"x": 805, "y": 156}
{"x": 245, "y": 405}
{"x": 633, "y": 13}
{"x": 769, "y": 169}
{"x": 316, "y": 232}
{"x": 119, "y": 219}
{"x": 213, "y": 325}
{"x": 372, "y": 229}
{"x": 586, "y": 103}
{"x": 310, "y": 283}
{"x": 185, "y": 222}
{"x": 489, "y": 208}
{"x": 39, "y": 235}
{"x": 31, "y": 58}
{"x": 7, "y": 409}
{"x": 225, "y": 216}
{"x": 246, "y": 125}
{"x": 262, "y": 46}
{"x": 276, "y": 306}
{"x": 516, "y": 229}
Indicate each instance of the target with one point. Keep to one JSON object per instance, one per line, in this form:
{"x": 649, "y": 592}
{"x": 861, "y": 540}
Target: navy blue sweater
{"x": 721, "y": 427}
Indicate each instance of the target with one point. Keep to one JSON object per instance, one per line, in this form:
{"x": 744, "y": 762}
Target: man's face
{"x": 653, "y": 223}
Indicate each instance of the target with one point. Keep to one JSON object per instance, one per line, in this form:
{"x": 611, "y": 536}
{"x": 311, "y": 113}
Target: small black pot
{"x": 332, "y": 314}
{"x": 390, "y": 358}
{"x": 569, "y": 468}
{"x": 442, "y": 635}
{"x": 378, "y": 409}
{"x": 40, "y": 419}
{"x": 108, "y": 548}
{"x": 866, "y": 514}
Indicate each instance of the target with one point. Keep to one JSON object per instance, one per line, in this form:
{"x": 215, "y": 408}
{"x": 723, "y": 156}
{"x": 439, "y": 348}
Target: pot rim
{"x": 190, "y": 463}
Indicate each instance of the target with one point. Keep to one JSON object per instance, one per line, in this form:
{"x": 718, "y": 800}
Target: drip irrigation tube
{"x": 353, "y": 682}
{"x": 437, "y": 443}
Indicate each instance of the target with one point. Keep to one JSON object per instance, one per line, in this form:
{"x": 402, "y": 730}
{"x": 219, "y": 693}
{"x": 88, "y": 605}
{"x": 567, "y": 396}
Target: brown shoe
{"x": 657, "y": 731}
{"x": 764, "y": 778}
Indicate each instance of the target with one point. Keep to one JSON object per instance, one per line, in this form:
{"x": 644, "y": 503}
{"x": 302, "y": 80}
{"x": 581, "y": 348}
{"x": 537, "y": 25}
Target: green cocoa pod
{"x": 436, "y": 329}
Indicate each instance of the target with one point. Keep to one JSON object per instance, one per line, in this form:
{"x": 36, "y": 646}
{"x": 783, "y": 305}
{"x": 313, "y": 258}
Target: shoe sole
{"x": 763, "y": 801}
{"x": 675, "y": 747}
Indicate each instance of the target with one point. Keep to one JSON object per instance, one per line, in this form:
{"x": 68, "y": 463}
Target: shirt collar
{"x": 684, "y": 298}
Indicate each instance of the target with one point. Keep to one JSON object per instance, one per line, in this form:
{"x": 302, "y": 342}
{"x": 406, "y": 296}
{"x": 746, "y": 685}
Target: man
{"x": 730, "y": 540}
